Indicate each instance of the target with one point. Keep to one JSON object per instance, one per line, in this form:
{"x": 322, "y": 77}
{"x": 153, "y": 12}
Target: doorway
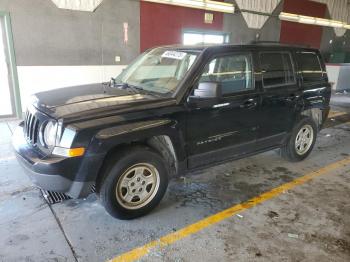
{"x": 9, "y": 105}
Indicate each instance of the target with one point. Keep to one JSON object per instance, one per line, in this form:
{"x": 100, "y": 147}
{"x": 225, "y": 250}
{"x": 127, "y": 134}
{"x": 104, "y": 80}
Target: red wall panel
{"x": 163, "y": 24}
{"x": 295, "y": 33}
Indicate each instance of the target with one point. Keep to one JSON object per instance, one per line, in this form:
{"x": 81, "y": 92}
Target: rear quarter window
{"x": 310, "y": 67}
{"x": 277, "y": 69}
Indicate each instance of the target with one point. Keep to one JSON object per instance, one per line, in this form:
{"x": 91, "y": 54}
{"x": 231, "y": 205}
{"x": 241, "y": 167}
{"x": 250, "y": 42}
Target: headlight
{"x": 50, "y": 133}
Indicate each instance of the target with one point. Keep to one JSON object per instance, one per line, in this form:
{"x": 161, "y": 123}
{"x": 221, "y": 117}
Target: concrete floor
{"x": 340, "y": 100}
{"x": 308, "y": 223}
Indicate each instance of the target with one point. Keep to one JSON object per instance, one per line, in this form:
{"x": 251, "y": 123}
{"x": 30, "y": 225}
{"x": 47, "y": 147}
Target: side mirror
{"x": 264, "y": 67}
{"x": 112, "y": 82}
{"x": 207, "y": 90}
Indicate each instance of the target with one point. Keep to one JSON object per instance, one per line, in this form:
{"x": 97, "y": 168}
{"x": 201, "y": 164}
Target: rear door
{"x": 280, "y": 97}
{"x": 314, "y": 81}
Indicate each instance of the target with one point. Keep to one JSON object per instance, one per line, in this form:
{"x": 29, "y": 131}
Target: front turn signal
{"x": 76, "y": 151}
{"x": 69, "y": 152}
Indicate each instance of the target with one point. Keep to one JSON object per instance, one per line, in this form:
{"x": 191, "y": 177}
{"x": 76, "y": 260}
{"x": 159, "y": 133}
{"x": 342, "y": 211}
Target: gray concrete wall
{"x": 45, "y": 35}
{"x": 239, "y": 32}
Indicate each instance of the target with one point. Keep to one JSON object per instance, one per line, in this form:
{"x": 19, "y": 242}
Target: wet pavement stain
{"x": 17, "y": 239}
{"x": 330, "y": 243}
{"x": 228, "y": 187}
{"x": 194, "y": 194}
{"x": 24, "y": 190}
{"x": 334, "y": 121}
{"x": 272, "y": 214}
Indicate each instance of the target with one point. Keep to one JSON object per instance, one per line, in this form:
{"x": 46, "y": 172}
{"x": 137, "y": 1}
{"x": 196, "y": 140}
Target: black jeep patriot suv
{"x": 173, "y": 110}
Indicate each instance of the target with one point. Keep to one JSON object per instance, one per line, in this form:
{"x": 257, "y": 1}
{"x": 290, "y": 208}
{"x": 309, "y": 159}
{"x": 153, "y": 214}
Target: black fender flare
{"x": 109, "y": 138}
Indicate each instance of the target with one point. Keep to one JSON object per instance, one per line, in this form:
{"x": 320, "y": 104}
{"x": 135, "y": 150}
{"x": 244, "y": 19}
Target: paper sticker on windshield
{"x": 174, "y": 55}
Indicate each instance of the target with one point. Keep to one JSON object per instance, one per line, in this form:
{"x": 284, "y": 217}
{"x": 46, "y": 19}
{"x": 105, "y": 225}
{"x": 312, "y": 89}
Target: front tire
{"x": 301, "y": 141}
{"x": 134, "y": 183}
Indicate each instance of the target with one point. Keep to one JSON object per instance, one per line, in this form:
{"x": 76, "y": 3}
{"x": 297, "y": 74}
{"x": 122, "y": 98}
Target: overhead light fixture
{"x": 199, "y": 4}
{"x": 307, "y": 20}
{"x": 289, "y": 17}
{"x": 338, "y": 24}
{"x": 323, "y": 22}
{"x": 312, "y": 20}
{"x": 86, "y": 5}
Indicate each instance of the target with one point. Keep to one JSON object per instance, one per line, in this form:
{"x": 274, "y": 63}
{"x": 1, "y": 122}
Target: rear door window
{"x": 277, "y": 69}
{"x": 310, "y": 67}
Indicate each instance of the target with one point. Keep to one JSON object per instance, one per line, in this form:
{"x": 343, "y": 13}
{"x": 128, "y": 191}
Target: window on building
{"x": 310, "y": 66}
{"x": 193, "y": 38}
{"x": 233, "y": 72}
{"x": 277, "y": 69}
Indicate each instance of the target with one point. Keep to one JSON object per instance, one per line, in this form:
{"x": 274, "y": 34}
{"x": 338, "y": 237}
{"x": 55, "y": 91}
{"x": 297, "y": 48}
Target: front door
{"x": 222, "y": 128}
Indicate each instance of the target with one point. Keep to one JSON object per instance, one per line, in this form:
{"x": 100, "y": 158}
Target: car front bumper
{"x": 51, "y": 173}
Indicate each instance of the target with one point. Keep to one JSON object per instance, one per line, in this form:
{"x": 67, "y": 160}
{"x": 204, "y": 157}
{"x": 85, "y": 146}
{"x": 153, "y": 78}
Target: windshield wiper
{"x": 113, "y": 83}
{"x": 135, "y": 89}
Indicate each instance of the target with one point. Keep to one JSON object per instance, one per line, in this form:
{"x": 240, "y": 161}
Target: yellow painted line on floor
{"x": 336, "y": 113}
{"x": 139, "y": 252}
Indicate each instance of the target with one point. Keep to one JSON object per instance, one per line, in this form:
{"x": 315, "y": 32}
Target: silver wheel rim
{"x": 137, "y": 186}
{"x": 304, "y": 139}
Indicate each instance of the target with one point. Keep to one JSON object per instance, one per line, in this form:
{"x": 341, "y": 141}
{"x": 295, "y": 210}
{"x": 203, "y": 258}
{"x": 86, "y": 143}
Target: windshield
{"x": 159, "y": 70}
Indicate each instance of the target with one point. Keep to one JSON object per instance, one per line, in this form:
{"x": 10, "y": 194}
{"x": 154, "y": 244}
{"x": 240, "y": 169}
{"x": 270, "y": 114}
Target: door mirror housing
{"x": 207, "y": 90}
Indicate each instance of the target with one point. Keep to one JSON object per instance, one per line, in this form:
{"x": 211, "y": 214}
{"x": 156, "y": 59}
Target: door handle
{"x": 292, "y": 97}
{"x": 250, "y": 103}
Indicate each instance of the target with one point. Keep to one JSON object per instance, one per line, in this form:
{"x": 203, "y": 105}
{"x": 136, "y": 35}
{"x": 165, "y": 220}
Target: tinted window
{"x": 233, "y": 72}
{"x": 310, "y": 66}
{"x": 277, "y": 69}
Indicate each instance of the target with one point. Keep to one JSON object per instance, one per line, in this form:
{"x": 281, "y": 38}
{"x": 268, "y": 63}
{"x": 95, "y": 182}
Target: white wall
{"x": 33, "y": 79}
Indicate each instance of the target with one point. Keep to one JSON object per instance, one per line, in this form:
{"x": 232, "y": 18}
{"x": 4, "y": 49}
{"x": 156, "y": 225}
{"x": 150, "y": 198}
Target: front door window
{"x": 232, "y": 72}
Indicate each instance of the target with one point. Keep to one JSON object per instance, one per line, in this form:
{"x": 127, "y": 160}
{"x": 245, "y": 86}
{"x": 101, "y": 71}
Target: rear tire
{"x": 301, "y": 141}
{"x": 134, "y": 183}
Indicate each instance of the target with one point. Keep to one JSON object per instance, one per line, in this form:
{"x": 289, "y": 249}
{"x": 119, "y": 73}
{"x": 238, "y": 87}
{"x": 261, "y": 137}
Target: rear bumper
{"x": 50, "y": 172}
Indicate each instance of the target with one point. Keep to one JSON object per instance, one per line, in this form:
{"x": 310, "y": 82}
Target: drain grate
{"x": 52, "y": 197}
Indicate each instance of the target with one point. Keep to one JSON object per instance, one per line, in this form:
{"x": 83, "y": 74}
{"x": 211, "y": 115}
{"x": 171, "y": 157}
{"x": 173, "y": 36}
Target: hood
{"x": 88, "y": 100}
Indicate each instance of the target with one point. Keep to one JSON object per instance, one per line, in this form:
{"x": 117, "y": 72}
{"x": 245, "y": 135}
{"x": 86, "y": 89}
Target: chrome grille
{"x": 31, "y": 127}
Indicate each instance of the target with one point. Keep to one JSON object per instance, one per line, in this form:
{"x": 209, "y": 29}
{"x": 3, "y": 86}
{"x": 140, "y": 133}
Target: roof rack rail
{"x": 277, "y": 43}
{"x": 266, "y": 42}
